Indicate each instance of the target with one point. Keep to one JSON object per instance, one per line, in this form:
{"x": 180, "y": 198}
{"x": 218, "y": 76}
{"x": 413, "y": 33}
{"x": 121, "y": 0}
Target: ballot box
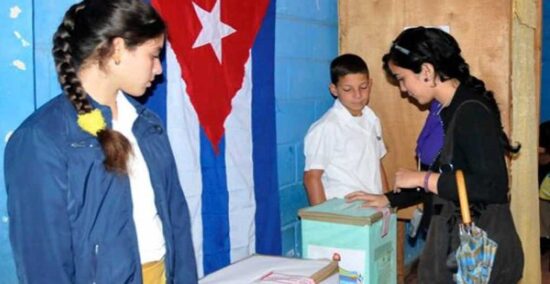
{"x": 362, "y": 238}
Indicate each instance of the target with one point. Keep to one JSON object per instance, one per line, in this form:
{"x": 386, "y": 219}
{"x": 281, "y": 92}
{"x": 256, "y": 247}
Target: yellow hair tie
{"x": 91, "y": 122}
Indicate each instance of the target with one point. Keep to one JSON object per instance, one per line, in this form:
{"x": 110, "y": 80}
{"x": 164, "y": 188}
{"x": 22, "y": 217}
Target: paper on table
{"x": 276, "y": 277}
{"x": 252, "y": 268}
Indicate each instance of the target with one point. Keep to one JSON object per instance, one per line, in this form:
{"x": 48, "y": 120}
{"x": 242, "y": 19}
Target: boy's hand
{"x": 369, "y": 200}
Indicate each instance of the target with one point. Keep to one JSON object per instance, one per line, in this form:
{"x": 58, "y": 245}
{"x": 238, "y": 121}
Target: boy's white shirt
{"x": 348, "y": 149}
{"x": 151, "y": 243}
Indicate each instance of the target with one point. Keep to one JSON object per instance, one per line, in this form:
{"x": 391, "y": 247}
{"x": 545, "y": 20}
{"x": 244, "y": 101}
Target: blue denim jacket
{"x": 70, "y": 219}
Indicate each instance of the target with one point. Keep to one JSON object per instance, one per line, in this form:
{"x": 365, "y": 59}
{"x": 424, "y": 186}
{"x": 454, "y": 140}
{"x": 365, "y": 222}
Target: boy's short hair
{"x": 347, "y": 64}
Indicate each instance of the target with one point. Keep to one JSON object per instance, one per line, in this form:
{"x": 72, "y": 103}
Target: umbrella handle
{"x": 463, "y": 198}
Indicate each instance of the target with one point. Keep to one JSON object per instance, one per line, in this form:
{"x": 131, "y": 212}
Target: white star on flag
{"x": 213, "y": 29}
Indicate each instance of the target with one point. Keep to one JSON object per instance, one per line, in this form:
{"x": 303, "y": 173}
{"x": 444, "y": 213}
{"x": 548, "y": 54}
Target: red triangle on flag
{"x": 212, "y": 57}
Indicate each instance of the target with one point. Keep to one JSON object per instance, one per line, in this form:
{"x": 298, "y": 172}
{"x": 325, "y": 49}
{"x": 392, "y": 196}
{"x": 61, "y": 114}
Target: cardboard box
{"x": 364, "y": 239}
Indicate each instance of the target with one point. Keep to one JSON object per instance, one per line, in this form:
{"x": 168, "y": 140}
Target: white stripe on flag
{"x": 183, "y": 131}
{"x": 239, "y": 170}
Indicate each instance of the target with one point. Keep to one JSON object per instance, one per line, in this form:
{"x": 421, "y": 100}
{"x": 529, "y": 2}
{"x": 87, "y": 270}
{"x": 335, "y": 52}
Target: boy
{"x": 344, "y": 147}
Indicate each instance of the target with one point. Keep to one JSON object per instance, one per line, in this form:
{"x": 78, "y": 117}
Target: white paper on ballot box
{"x": 254, "y": 267}
{"x": 350, "y": 259}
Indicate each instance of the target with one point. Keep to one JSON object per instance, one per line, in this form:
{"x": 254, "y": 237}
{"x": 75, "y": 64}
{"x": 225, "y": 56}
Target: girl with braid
{"x": 93, "y": 193}
{"x": 427, "y": 64}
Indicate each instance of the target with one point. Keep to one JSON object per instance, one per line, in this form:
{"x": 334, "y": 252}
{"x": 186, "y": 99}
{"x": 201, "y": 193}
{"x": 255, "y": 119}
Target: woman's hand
{"x": 405, "y": 178}
{"x": 369, "y": 200}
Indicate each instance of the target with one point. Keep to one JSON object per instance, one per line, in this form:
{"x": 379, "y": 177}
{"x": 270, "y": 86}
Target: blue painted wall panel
{"x": 321, "y": 106}
{"x": 318, "y": 10}
{"x": 302, "y": 78}
{"x": 288, "y": 234}
{"x": 302, "y": 39}
{"x": 305, "y": 43}
{"x": 16, "y": 64}
{"x": 298, "y": 236}
{"x": 286, "y": 164}
{"x": 294, "y": 198}
{"x": 293, "y": 120}
{"x": 26, "y": 29}
{"x": 300, "y": 161}
{"x": 47, "y": 23}
{"x": 16, "y": 100}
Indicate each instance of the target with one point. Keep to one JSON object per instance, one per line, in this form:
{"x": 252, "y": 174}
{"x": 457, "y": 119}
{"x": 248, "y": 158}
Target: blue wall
{"x": 26, "y": 45}
{"x": 26, "y": 40}
{"x": 306, "y": 40}
{"x": 16, "y": 100}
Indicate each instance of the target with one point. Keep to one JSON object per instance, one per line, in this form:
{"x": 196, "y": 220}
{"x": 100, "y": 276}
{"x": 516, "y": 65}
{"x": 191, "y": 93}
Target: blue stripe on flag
{"x": 268, "y": 224}
{"x": 215, "y": 206}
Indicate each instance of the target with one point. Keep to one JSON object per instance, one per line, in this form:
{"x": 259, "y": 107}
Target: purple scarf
{"x": 430, "y": 140}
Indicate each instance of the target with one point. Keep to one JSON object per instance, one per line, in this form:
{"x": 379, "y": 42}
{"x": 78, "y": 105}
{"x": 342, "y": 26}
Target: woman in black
{"x": 427, "y": 64}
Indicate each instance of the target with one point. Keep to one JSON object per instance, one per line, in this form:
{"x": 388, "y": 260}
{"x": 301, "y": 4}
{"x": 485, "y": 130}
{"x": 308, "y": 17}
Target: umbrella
{"x": 476, "y": 253}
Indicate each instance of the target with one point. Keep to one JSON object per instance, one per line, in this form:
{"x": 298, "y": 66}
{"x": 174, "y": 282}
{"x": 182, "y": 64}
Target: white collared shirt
{"x": 348, "y": 149}
{"x": 148, "y": 225}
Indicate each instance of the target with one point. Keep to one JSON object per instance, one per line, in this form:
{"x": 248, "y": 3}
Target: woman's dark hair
{"x": 419, "y": 45}
{"x": 347, "y": 64}
{"x": 87, "y": 33}
{"x": 544, "y": 135}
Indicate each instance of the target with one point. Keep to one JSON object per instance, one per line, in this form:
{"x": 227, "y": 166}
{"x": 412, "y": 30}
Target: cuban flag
{"x": 217, "y": 100}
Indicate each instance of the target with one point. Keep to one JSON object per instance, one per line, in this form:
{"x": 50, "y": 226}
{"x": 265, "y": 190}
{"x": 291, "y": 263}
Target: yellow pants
{"x": 153, "y": 272}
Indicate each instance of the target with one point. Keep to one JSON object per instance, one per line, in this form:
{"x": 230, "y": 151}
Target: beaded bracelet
{"x": 426, "y": 180}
